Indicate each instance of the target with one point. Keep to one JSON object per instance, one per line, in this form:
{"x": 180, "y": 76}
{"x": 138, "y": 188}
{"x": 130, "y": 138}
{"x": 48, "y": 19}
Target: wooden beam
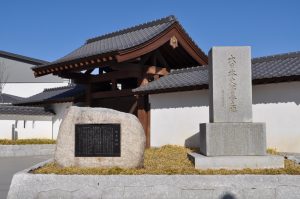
{"x": 161, "y": 58}
{"x": 88, "y": 71}
{"x": 127, "y": 66}
{"x": 145, "y": 58}
{"x": 112, "y": 94}
{"x": 115, "y": 75}
{"x": 77, "y": 77}
{"x": 153, "y": 59}
{"x": 154, "y": 70}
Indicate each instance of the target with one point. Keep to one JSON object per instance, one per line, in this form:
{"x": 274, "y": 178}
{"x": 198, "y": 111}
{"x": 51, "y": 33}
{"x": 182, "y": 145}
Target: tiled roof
{"x": 9, "y": 99}
{"x": 65, "y": 93}
{"x": 24, "y": 110}
{"x": 119, "y": 40}
{"x": 282, "y": 65}
{"x": 263, "y": 68}
{"x": 22, "y": 58}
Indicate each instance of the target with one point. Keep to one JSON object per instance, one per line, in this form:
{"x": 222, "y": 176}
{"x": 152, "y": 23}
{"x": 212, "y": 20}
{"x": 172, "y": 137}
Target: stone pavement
{"x": 10, "y": 165}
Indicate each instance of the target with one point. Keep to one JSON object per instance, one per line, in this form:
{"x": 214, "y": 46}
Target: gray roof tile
{"x": 119, "y": 40}
{"x": 9, "y": 99}
{"x": 276, "y": 66}
{"x": 53, "y": 94}
{"x": 24, "y": 110}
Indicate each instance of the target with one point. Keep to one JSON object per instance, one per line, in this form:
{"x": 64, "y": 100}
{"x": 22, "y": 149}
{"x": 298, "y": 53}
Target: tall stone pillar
{"x": 231, "y": 131}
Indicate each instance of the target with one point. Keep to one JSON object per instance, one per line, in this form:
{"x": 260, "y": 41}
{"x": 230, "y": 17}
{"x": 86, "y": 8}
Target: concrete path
{"x": 291, "y": 156}
{"x": 10, "y": 165}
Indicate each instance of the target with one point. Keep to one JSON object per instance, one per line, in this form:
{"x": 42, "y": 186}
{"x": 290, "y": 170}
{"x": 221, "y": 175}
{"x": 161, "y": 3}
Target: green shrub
{"x": 26, "y": 141}
{"x": 166, "y": 160}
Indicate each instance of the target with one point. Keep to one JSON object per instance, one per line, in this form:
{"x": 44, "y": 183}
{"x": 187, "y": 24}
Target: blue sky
{"x": 50, "y": 29}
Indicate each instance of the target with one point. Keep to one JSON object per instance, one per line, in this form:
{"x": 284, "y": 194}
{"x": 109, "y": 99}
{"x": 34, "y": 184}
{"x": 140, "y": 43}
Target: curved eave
{"x": 174, "y": 30}
{"x": 124, "y": 55}
{"x": 75, "y": 64}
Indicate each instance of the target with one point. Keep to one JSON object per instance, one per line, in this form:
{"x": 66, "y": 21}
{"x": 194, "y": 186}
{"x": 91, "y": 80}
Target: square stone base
{"x": 229, "y": 139}
{"x": 237, "y": 162}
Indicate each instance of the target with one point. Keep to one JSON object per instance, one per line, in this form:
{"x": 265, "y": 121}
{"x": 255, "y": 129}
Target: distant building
{"x": 19, "y": 83}
{"x": 20, "y": 79}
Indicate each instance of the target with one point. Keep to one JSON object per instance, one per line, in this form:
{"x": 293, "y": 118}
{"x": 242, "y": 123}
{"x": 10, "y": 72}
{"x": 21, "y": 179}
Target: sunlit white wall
{"x": 175, "y": 117}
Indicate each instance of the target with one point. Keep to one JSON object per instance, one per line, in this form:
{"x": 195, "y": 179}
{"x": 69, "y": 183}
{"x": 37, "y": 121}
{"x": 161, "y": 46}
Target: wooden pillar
{"x": 88, "y": 95}
{"x": 114, "y": 86}
{"x": 143, "y": 114}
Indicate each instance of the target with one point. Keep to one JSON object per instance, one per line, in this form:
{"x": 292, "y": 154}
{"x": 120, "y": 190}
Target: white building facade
{"x": 175, "y": 116}
{"x": 179, "y": 102}
{"x": 18, "y": 80}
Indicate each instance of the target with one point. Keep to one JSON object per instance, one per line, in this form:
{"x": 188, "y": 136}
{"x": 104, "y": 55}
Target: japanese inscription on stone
{"x": 232, "y": 73}
{"x": 97, "y": 140}
{"x": 230, "y": 84}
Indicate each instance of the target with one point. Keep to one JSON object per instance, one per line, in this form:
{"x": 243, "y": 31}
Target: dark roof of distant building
{"x": 119, "y": 41}
{"x": 9, "y": 99}
{"x": 269, "y": 69}
{"x": 22, "y": 58}
{"x": 24, "y": 110}
{"x": 54, "y": 95}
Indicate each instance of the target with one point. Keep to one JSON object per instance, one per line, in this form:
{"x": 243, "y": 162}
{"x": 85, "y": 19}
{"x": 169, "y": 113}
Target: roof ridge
{"x": 276, "y": 56}
{"x": 22, "y": 57}
{"x": 189, "y": 69}
{"x": 130, "y": 29}
{"x": 59, "y": 88}
{"x": 23, "y": 107}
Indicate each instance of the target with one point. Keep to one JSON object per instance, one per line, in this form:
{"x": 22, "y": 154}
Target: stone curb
{"x": 26, "y": 150}
{"x": 27, "y": 185}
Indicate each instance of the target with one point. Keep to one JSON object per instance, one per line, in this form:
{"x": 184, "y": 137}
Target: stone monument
{"x": 99, "y": 137}
{"x": 231, "y": 140}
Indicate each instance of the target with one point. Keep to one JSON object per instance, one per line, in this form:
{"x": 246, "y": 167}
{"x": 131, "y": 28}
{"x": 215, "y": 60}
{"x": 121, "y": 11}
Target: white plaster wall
{"x": 175, "y": 117}
{"x": 29, "y": 89}
{"x": 40, "y": 129}
{"x": 279, "y": 106}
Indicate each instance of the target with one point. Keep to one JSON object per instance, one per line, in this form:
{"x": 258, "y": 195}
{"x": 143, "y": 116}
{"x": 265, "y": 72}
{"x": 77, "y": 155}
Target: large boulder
{"x": 132, "y": 138}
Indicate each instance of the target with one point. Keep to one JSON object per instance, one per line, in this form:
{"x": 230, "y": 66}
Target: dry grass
{"x": 168, "y": 160}
{"x": 272, "y": 151}
{"x": 26, "y": 141}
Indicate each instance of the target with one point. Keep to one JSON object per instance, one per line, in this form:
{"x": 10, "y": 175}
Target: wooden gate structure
{"x": 111, "y": 65}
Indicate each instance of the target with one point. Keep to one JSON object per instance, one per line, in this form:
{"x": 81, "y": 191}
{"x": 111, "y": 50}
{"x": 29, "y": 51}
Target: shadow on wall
{"x": 228, "y": 196}
{"x": 276, "y": 93}
{"x": 193, "y": 141}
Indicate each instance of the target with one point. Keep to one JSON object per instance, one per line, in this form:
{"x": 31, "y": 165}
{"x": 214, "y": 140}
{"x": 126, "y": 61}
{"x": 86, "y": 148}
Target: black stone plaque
{"x": 97, "y": 140}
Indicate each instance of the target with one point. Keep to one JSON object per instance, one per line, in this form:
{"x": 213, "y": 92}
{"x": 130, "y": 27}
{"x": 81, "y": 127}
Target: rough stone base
{"x": 237, "y": 162}
{"x": 229, "y": 139}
